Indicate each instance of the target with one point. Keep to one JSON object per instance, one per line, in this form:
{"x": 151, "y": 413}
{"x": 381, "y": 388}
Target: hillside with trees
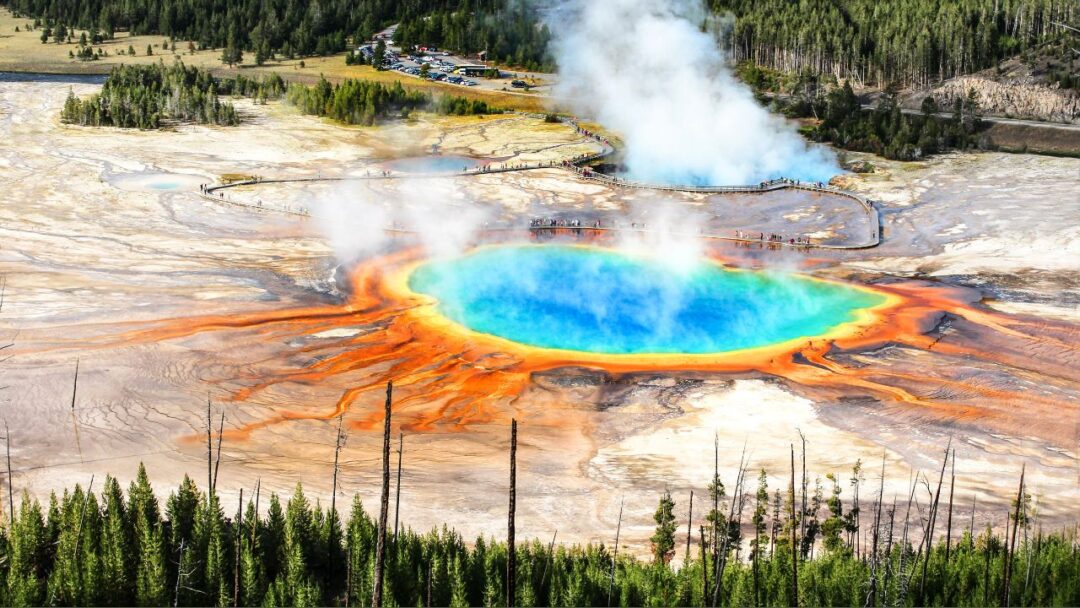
{"x": 909, "y": 42}
{"x": 265, "y": 29}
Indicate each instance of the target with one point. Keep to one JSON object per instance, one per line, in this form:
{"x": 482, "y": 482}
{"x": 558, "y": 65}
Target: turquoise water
{"x": 164, "y": 185}
{"x": 601, "y": 301}
{"x": 436, "y": 163}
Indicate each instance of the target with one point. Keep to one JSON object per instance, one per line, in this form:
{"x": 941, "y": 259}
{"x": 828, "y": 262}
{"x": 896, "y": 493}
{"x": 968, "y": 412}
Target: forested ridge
{"x": 910, "y": 42}
{"x": 104, "y": 546}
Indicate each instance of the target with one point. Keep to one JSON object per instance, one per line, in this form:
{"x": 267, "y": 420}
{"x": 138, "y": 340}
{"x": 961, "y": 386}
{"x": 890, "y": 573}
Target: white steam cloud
{"x": 356, "y": 218}
{"x": 646, "y": 69}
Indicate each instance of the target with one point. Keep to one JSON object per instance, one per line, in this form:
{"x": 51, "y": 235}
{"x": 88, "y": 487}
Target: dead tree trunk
{"x": 704, "y": 570}
{"x": 384, "y": 504}
{"x": 888, "y": 555}
{"x": 1010, "y": 545}
{"x": 236, "y": 561}
{"x": 794, "y": 541}
{"x": 726, "y": 544}
{"x": 78, "y": 533}
{"x": 689, "y": 527}
{"x": 615, "y": 555}
{"x": 802, "y": 501}
{"x": 397, "y": 484}
{"x": 929, "y": 536}
{"x": 716, "y": 509}
{"x": 254, "y": 527}
{"x": 948, "y": 525}
{"x": 179, "y": 575}
{"x": 11, "y": 493}
{"x": 874, "y": 541}
{"x": 511, "y": 556}
{"x": 209, "y": 449}
{"x": 217, "y": 457}
{"x": 550, "y": 560}
{"x": 338, "y": 444}
{"x": 75, "y": 385}
{"x": 334, "y": 518}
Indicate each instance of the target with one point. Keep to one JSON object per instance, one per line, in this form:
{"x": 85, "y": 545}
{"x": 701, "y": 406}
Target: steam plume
{"x": 651, "y": 71}
{"x": 355, "y": 218}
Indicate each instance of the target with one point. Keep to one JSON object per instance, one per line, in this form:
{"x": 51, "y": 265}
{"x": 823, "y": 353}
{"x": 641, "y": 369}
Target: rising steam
{"x": 360, "y": 220}
{"x": 652, "y": 71}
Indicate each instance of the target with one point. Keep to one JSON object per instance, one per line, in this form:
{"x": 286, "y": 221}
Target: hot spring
{"x": 435, "y": 163}
{"x": 602, "y": 301}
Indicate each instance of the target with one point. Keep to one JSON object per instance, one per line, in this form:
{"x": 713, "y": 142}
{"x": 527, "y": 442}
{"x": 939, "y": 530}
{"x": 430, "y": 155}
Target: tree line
{"x": 508, "y": 31}
{"x": 149, "y": 96}
{"x": 766, "y": 546}
{"x": 265, "y": 27}
{"x": 912, "y": 42}
{"x": 145, "y": 96}
{"x": 363, "y": 102}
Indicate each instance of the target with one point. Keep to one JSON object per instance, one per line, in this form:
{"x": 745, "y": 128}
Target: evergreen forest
{"x": 102, "y": 545}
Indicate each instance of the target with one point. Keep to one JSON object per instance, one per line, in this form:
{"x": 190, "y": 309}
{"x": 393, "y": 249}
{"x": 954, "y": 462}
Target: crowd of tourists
{"x": 743, "y": 235}
{"x": 538, "y": 222}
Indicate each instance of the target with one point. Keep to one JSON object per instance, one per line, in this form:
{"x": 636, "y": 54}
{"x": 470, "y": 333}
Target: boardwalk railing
{"x": 578, "y": 165}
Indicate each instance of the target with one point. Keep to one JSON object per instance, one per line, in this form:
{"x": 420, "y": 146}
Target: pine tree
{"x": 833, "y": 528}
{"x": 26, "y": 570}
{"x": 180, "y": 510}
{"x": 151, "y": 573}
{"x": 663, "y": 541}
{"x": 118, "y": 548}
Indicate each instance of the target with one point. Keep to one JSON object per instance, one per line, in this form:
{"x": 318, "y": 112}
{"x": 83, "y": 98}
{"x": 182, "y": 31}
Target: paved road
{"x": 997, "y": 119}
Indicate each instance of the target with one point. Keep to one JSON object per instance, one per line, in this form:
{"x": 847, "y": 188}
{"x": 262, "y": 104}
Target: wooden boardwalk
{"x": 218, "y": 193}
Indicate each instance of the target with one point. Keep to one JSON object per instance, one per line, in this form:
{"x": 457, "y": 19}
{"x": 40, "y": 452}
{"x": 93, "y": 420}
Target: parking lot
{"x": 442, "y": 66}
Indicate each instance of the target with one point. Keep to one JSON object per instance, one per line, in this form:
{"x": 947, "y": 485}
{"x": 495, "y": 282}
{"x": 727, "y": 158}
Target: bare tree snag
{"x": 689, "y": 527}
{"x": 380, "y": 544}
{"x": 511, "y": 557}
{"x": 75, "y": 385}
{"x": 550, "y": 560}
{"x": 794, "y": 540}
{"x": 928, "y": 537}
{"x": 338, "y": 444}
{"x": 209, "y": 449}
{"x": 236, "y": 561}
{"x": 1010, "y": 545}
{"x": 397, "y": 484}
{"x": 11, "y": 493}
{"x": 615, "y": 555}
{"x": 217, "y": 457}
